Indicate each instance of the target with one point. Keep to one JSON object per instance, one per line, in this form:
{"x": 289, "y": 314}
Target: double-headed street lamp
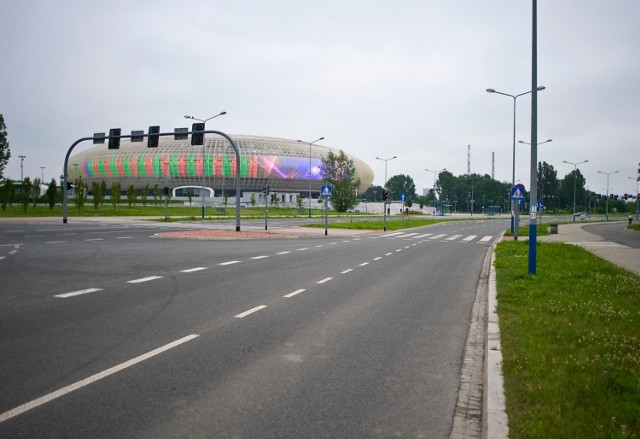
{"x": 513, "y": 169}
{"x": 435, "y": 209}
{"x": 310, "y": 143}
{"x": 575, "y": 179}
{"x": 204, "y": 121}
{"x": 607, "y": 201}
{"x": 385, "y": 167}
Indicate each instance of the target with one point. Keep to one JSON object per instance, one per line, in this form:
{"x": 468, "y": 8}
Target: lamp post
{"x": 204, "y": 121}
{"x": 22, "y": 157}
{"x": 434, "y": 189}
{"x": 637, "y": 198}
{"x": 384, "y": 202}
{"x": 575, "y": 178}
{"x": 607, "y": 201}
{"x": 513, "y": 168}
{"x": 42, "y": 176}
{"x": 310, "y": 143}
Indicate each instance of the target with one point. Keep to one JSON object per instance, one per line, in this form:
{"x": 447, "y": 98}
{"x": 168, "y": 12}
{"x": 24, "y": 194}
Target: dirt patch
{"x": 222, "y": 234}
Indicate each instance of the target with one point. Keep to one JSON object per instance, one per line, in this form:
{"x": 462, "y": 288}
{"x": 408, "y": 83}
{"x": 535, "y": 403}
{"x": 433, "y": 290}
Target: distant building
{"x": 284, "y": 165}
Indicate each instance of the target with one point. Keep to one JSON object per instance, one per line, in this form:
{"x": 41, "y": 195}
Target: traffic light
{"x": 611, "y": 196}
{"x": 114, "y": 138}
{"x": 154, "y": 138}
{"x": 197, "y": 138}
{"x": 638, "y": 197}
{"x": 70, "y": 186}
{"x": 385, "y": 195}
{"x": 625, "y": 196}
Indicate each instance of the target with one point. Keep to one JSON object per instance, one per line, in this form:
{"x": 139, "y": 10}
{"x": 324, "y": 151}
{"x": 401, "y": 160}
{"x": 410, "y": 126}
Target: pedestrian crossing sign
{"x": 326, "y": 191}
{"x": 517, "y": 192}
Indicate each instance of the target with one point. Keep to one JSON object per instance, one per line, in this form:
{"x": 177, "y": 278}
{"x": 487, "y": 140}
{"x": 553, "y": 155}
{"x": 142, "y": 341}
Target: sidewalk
{"x": 625, "y": 257}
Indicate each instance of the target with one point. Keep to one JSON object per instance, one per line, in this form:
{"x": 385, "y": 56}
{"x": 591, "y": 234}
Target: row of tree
{"x": 479, "y": 192}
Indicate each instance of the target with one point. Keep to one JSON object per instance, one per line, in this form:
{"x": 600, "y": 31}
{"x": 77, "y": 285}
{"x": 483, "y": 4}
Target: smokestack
{"x": 468, "y": 159}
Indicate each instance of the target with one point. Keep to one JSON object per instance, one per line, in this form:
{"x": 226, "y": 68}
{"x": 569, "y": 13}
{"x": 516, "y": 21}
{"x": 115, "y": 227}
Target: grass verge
{"x": 570, "y": 343}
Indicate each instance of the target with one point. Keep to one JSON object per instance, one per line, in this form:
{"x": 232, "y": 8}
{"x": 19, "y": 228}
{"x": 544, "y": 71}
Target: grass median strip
{"x": 570, "y": 343}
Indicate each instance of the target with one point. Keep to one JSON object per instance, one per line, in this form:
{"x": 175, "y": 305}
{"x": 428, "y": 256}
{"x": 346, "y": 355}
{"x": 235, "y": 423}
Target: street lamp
{"x": 607, "y": 201}
{"x": 539, "y": 143}
{"x": 204, "y": 121}
{"x": 434, "y": 189}
{"x": 22, "y": 157}
{"x": 385, "y": 167}
{"x": 513, "y": 169}
{"x": 42, "y": 176}
{"x": 575, "y": 178}
{"x": 310, "y": 143}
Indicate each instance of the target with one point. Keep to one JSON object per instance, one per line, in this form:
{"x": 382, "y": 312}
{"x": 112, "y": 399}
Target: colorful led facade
{"x": 280, "y": 163}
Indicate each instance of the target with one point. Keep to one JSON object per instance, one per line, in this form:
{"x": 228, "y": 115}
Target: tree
{"x": 402, "y": 184}
{"x": 131, "y": 195}
{"x": 51, "y": 193}
{"x": 103, "y": 191}
{"x": 145, "y": 194}
{"x": 190, "y": 195}
{"x": 548, "y": 183}
{"x": 35, "y": 191}
{"x": 80, "y": 189}
{"x": 97, "y": 194}
{"x": 5, "y": 152}
{"x": 6, "y": 196}
{"x": 340, "y": 172}
{"x": 373, "y": 193}
{"x": 156, "y": 193}
{"x": 25, "y": 193}
{"x": 115, "y": 194}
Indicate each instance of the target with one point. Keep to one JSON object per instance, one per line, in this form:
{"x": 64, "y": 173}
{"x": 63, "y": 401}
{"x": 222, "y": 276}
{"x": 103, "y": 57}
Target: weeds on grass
{"x": 571, "y": 343}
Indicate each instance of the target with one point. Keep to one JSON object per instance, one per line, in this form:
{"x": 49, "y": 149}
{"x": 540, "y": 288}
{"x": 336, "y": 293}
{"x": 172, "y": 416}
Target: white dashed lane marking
{"x": 294, "y": 293}
{"x": 77, "y": 293}
{"x": 143, "y": 279}
{"x": 250, "y": 311}
{"x": 229, "y": 263}
{"x": 191, "y": 270}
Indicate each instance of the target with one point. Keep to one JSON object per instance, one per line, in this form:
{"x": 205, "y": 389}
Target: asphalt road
{"x": 615, "y": 232}
{"x": 107, "y": 331}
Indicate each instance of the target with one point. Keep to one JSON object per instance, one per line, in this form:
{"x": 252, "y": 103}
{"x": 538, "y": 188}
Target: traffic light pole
{"x": 138, "y": 136}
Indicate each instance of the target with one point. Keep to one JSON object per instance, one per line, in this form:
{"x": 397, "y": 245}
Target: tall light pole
{"x": 513, "y": 168}
{"x": 22, "y": 157}
{"x": 607, "y": 200}
{"x": 637, "y": 198}
{"x": 42, "y": 176}
{"x": 204, "y": 121}
{"x": 575, "y": 179}
{"x": 385, "y": 167}
{"x": 310, "y": 143}
{"x": 434, "y": 189}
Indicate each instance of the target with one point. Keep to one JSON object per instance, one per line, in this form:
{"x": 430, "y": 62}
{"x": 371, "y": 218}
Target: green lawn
{"x": 570, "y": 342}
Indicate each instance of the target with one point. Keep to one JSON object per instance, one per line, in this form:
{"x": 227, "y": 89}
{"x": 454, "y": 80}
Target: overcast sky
{"x": 376, "y": 79}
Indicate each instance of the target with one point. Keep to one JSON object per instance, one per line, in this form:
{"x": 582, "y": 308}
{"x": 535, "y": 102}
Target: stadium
{"x": 286, "y": 166}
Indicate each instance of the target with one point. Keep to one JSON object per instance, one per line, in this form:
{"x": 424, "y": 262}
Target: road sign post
{"x": 518, "y": 193}
{"x": 325, "y": 193}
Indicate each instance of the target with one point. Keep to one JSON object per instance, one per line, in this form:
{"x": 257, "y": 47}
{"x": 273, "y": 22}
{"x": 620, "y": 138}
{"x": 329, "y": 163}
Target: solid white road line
{"x": 143, "y": 279}
{"x": 77, "y": 293}
{"x": 191, "y": 270}
{"x": 251, "y": 311}
{"x": 294, "y": 293}
{"x": 326, "y": 279}
{"x": 229, "y": 263}
{"x": 92, "y": 379}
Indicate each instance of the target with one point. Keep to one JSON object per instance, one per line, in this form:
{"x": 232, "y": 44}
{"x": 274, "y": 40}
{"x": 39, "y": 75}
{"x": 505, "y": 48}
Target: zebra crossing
{"x": 442, "y": 237}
